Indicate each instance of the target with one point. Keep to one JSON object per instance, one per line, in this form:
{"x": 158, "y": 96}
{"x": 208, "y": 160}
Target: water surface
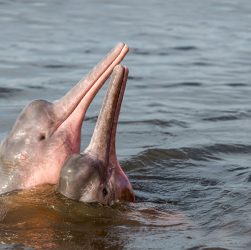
{"x": 184, "y": 136}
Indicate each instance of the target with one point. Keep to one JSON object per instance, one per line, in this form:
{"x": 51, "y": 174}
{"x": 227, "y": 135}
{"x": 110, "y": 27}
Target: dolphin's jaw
{"x": 95, "y": 175}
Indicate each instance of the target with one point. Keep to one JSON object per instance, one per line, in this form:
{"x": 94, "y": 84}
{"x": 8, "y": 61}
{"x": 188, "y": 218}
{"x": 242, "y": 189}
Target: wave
{"x": 206, "y": 153}
{"x": 162, "y": 51}
{"x": 6, "y": 92}
{"x": 229, "y": 117}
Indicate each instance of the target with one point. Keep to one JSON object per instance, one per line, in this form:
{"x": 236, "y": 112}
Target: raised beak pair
{"x": 95, "y": 175}
{"x": 46, "y": 135}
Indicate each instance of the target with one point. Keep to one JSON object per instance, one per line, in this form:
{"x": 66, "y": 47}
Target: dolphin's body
{"x": 46, "y": 134}
{"x": 95, "y": 175}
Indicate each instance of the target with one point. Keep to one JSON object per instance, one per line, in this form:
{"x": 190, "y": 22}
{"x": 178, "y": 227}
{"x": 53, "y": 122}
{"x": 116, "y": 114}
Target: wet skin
{"x": 95, "y": 175}
{"x": 46, "y": 134}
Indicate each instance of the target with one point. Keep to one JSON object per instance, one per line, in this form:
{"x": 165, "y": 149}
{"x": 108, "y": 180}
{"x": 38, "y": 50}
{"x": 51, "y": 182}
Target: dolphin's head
{"x": 46, "y": 134}
{"x": 96, "y": 175}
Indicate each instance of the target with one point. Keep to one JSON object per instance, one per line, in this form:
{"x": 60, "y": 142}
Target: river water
{"x": 184, "y": 136}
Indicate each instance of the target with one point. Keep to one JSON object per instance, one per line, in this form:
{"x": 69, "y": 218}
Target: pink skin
{"x": 118, "y": 181}
{"x": 46, "y": 134}
{"x": 95, "y": 175}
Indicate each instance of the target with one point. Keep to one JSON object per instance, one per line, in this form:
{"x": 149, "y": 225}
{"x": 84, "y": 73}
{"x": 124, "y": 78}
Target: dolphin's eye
{"x": 104, "y": 191}
{"x": 41, "y": 137}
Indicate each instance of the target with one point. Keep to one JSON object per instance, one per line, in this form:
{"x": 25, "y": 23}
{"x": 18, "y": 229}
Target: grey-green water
{"x": 184, "y": 136}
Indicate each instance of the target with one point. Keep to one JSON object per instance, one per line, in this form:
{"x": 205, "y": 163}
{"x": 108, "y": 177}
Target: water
{"x": 184, "y": 133}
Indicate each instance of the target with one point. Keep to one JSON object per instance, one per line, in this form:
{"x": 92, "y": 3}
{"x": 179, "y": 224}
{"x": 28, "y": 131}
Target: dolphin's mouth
{"x": 95, "y": 175}
{"x": 103, "y": 141}
{"x": 104, "y": 135}
{"x": 71, "y": 108}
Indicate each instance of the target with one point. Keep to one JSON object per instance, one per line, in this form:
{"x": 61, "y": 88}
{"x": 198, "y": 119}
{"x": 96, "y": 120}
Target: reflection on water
{"x": 43, "y": 219}
{"x": 184, "y": 133}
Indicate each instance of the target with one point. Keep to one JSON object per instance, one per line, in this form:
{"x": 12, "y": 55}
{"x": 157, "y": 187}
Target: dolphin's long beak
{"x": 70, "y": 109}
{"x": 102, "y": 144}
{"x": 101, "y": 140}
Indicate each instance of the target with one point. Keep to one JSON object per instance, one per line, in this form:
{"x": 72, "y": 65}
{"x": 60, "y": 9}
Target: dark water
{"x": 185, "y": 127}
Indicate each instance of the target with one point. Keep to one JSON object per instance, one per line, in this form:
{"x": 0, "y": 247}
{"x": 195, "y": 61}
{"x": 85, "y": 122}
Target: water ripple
{"x": 6, "y": 92}
{"x": 200, "y": 154}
